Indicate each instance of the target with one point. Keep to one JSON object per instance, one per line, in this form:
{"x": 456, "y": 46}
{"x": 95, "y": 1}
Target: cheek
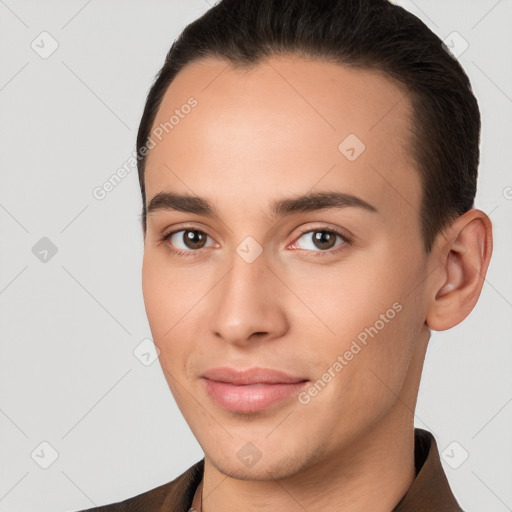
{"x": 169, "y": 294}
{"x": 347, "y": 298}
{"x": 174, "y": 302}
{"x": 155, "y": 297}
{"x": 163, "y": 310}
{"x": 367, "y": 322}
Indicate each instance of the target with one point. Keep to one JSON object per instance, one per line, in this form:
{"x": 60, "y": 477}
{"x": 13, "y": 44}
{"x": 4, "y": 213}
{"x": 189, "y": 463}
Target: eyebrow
{"x": 303, "y": 203}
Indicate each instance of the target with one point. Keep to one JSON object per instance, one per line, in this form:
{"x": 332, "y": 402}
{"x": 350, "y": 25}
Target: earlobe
{"x": 466, "y": 256}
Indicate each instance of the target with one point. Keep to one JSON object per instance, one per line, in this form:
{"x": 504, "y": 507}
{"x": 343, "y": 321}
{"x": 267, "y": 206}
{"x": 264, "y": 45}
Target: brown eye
{"x": 194, "y": 239}
{"x": 187, "y": 240}
{"x": 324, "y": 239}
{"x": 320, "y": 240}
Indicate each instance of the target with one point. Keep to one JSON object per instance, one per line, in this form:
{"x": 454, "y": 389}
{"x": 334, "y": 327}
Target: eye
{"x": 186, "y": 241}
{"x": 321, "y": 240}
{"x": 190, "y": 241}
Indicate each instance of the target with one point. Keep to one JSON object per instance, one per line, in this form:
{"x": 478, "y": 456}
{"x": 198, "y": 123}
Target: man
{"x": 308, "y": 170}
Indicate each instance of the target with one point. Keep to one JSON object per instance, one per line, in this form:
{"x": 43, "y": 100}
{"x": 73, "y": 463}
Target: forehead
{"x": 286, "y": 123}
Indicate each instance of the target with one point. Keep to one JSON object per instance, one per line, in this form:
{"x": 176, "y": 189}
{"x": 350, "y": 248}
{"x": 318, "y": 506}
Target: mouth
{"x": 252, "y": 390}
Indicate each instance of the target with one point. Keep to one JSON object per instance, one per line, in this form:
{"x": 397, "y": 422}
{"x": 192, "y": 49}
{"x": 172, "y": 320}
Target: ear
{"x": 464, "y": 251}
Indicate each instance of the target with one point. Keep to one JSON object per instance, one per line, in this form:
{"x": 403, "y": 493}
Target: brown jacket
{"x": 430, "y": 491}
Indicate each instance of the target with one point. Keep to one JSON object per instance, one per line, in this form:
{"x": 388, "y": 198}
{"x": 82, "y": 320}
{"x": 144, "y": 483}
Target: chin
{"x": 266, "y": 468}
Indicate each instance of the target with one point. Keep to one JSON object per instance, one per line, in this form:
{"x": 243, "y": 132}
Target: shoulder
{"x": 174, "y": 495}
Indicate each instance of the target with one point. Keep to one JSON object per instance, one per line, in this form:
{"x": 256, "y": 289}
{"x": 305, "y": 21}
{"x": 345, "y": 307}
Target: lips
{"x": 251, "y": 376}
{"x": 250, "y": 390}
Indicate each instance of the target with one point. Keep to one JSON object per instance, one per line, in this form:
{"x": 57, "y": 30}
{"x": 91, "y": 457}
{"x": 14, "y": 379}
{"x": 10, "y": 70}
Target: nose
{"x": 249, "y": 304}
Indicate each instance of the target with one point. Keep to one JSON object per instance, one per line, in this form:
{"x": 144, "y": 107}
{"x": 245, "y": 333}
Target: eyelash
{"x": 191, "y": 253}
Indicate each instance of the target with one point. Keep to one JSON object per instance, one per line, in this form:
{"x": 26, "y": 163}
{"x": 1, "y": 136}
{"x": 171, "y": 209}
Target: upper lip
{"x": 250, "y": 376}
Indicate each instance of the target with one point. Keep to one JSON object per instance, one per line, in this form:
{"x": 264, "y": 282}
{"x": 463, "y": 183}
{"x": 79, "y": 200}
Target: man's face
{"x": 344, "y": 312}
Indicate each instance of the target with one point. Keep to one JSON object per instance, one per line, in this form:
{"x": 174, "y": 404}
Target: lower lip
{"x": 250, "y": 397}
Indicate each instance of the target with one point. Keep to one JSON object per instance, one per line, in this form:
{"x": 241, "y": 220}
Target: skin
{"x": 262, "y": 134}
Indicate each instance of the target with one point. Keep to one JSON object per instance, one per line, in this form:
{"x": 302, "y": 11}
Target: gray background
{"x": 70, "y": 321}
